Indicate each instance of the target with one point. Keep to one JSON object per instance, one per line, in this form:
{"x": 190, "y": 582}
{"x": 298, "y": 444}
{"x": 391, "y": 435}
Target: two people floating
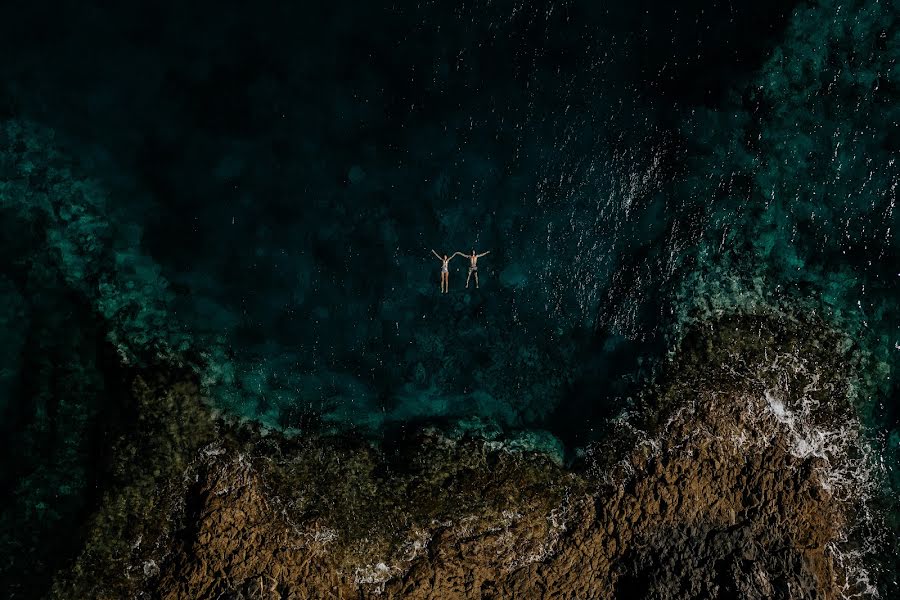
{"x": 445, "y": 271}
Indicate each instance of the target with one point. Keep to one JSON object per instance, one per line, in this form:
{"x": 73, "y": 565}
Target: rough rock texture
{"x": 702, "y": 519}
{"x": 729, "y": 480}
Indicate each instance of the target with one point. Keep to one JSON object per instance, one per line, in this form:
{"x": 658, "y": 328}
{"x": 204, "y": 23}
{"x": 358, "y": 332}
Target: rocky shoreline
{"x": 722, "y": 482}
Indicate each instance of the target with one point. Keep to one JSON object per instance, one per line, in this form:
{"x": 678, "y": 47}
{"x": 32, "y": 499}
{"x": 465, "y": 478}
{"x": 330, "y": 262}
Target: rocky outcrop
{"x": 698, "y": 518}
{"x": 732, "y": 478}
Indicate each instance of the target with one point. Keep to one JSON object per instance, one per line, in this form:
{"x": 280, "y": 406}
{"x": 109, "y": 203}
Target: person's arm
{"x": 460, "y": 253}
{"x": 483, "y": 253}
{"x": 436, "y": 254}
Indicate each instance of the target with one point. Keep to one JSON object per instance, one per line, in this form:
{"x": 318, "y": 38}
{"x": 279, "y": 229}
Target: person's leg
{"x": 469, "y": 276}
{"x": 476, "y": 279}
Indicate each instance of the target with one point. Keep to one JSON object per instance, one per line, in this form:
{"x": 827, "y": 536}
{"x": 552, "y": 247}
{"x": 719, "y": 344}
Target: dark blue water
{"x": 257, "y": 194}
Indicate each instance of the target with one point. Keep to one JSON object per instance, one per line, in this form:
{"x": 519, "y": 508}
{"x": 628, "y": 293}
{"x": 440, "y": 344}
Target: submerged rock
{"x": 739, "y": 475}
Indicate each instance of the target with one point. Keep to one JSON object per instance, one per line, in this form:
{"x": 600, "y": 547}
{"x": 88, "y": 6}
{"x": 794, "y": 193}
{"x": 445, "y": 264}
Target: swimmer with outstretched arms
{"x": 473, "y": 264}
{"x": 445, "y": 271}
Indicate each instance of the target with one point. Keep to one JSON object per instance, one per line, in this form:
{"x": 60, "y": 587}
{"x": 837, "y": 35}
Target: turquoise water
{"x": 265, "y": 209}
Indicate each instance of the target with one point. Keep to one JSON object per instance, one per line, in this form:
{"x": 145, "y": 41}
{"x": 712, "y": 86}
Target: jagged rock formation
{"x": 722, "y": 484}
{"x": 701, "y": 523}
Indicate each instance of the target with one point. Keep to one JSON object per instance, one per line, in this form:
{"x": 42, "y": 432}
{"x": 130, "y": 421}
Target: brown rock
{"x": 711, "y": 498}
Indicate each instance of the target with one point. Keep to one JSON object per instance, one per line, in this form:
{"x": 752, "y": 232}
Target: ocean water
{"x": 256, "y": 194}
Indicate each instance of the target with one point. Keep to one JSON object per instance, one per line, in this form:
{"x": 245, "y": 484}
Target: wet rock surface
{"x": 714, "y": 487}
